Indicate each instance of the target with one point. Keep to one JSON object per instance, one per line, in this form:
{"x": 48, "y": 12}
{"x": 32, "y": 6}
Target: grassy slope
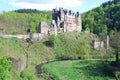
{"x": 10, "y": 47}
{"x": 77, "y": 70}
{"x": 38, "y": 52}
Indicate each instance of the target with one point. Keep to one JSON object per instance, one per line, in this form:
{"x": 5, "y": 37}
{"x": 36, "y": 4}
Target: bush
{"x": 25, "y": 75}
{"x": 70, "y": 46}
{"x": 53, "y": 41}
{"x": 5, "y": 66}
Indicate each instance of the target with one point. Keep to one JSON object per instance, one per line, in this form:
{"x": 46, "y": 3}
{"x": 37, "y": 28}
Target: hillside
{"x": 17, "y": 22}
{"x": 104, "y": 19}
{"x": 16, "y": 48}
{"x": 66, "y": 46}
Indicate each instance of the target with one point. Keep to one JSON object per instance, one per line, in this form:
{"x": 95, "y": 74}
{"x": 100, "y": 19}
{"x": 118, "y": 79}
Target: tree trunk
{"x": 117, "y": 56}
{"x": 27, "y": 53}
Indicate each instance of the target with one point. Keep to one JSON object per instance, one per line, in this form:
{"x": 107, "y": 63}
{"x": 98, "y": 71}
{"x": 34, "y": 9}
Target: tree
{"x": 106, "y": 14}
{"x": 104, "y": 30}
{"x": 115, "y": 43}
{"x": 83, "y": 48}
{"x": 87, "y": 27}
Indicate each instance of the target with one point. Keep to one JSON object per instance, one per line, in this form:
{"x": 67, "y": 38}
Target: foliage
{"x": 5, "y": 66}
{"x": 103, "y": 19}
{"x": 53, "y": 40}
{"x": 65, "y": 45}
{"x": 29, "y": 11}
{"x": 70, "y": 45}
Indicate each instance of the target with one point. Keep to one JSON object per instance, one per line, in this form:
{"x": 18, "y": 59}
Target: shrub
{"x": 25, "y": 75}
{"x": 5, "y": 66}
{"x": 53, "y": 41}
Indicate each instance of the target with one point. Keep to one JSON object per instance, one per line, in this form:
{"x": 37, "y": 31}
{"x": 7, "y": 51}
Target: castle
{"x": 63, "y": 20}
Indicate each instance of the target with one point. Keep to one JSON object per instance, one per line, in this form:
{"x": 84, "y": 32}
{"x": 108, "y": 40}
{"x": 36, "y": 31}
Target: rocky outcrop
{"x": 19, "y": 64}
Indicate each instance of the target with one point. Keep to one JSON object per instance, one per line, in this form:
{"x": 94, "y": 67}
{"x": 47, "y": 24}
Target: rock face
{"x": 19, "y": 64}
{"x": 39, "y": 69}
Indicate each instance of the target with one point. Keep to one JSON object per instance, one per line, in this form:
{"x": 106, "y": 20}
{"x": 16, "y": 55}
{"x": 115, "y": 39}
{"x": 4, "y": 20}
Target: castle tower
{"x": 62, "y": 13}
{"x": 55, "y": 19}
{"x": 78, "y": 22}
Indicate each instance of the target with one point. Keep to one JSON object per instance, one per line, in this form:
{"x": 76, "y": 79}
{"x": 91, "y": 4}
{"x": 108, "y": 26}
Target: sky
{"x": 74, "y": 5}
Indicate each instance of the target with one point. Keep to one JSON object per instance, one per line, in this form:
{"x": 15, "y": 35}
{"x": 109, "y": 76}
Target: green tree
{"x": 106, "y": 14}
{"x": 115, "y": 43}
{"x": 104, "y": 30}
{"x": 87, "y": 27}
{"x": 83, "y": 48}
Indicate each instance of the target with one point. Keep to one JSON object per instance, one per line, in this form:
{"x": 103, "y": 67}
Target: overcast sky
{"x": 75, "y": 5}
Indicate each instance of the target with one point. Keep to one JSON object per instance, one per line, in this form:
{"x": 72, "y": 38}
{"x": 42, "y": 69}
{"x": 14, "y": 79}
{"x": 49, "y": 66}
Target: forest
{"x": 18, "y": 21}
{"x": 104, "y": 19}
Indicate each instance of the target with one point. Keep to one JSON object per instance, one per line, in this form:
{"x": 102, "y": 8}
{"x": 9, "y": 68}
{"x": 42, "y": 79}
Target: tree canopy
{"x": 16, "y": 22}
{"x": 103, "y": 19}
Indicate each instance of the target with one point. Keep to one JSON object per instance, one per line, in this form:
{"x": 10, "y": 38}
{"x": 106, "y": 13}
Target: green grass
{"x": 78, "y": 70}
{"x": 11, "y": 47}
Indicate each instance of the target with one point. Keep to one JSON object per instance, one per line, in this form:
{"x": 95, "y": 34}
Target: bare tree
{"x": 26, "y": 45}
